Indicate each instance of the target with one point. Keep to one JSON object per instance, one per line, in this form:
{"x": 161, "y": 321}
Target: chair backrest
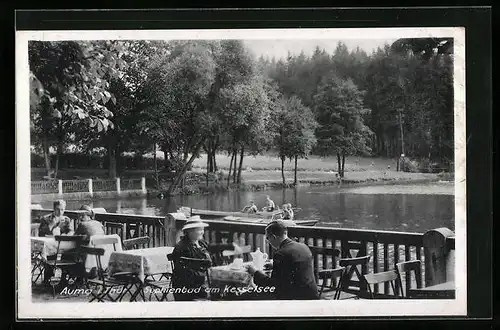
{"x": 349, "y": 262}
{"x": 170, "y": 258}
{"x": 351, "y": 265}
{"x": 98, "y": 253}
{"x": 69, "y": 238}
{"x": 390, "y": 276}
{"x": 136, "y": 243}
{"x": 105, "y": 241}
{"x": 408, "y": 267}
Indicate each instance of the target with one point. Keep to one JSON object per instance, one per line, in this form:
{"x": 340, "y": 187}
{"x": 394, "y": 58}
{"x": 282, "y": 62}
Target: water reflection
{"x": 421, "y": 208}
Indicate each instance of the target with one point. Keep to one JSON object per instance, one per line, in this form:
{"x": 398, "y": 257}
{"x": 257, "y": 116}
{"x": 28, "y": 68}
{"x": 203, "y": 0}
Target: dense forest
{"x": 191, "y": 97}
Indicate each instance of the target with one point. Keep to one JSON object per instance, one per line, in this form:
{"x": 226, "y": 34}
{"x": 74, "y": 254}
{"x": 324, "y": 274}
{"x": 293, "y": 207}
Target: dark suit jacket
{"x": 293, "y": 273}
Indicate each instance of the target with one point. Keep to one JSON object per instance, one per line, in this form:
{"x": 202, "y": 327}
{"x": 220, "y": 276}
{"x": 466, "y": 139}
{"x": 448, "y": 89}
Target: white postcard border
{"x": 26, "y": 309}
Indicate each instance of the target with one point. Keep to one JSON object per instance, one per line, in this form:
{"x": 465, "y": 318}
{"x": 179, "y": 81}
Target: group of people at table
{"x": 291, "y": 277}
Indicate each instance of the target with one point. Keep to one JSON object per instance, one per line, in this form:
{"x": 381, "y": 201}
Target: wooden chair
{"x": 115, "y": 228}
{"x": 98, "y": 241}
{"x": 390, "y": 276}
{"x": 71, "y": 264}
{"x": 136, "y": 243}
{"x": 194, "y": 263}
{"x": 351, "y": 265}
{"x": 105, "y": 283}
{"x": 331, "y": 282}
{"x": 408, "y": 267}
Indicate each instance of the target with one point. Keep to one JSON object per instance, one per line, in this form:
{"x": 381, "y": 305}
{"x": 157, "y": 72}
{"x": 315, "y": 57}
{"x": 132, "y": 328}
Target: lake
{"x": 398, "y": 207}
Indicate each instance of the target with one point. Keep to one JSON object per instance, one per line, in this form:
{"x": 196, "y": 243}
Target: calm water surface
{"x": 408, "y": 207}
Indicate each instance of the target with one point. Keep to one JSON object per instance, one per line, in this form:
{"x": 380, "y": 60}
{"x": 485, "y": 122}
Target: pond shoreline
{"x": 352, "y": 180}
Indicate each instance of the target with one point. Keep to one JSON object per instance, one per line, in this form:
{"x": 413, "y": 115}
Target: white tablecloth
{"x": 222, "y": 275}
{"x": 47, "y": 246}
{"x": 142, "y": 262}
{"x": 91, "y": 262}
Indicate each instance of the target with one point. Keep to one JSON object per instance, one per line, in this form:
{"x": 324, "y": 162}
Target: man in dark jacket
{"x": 293, "y": 270}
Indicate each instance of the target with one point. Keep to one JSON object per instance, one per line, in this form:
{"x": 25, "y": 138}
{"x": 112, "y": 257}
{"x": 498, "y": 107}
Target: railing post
{"x": 437, "y": 256}
{"x": 143, "y": 185}
{"x": 60, "y": 187}
{"x": 91, "y": 192}
{"x": 170, "y": 226}
{"x": 118, "y": 188}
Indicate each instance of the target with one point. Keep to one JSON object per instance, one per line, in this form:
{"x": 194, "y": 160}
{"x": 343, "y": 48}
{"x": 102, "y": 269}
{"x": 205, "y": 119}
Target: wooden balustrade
{"x": 387, "y": 248}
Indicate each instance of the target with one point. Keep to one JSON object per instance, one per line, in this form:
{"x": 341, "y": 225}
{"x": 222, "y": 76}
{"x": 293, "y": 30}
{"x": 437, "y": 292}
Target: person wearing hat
{"x": 293, "y": 270}
{"x": 88, "y": 226}
{"x": 193, "y": 246}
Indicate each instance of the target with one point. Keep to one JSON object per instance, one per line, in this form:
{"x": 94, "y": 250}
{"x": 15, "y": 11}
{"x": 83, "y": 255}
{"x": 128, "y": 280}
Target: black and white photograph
{"x": 286, "y": 171}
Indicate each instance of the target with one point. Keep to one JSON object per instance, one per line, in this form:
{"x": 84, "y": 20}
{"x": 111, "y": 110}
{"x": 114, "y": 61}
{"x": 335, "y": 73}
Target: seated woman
{"x": 251, "y": 208}
{"x": 56, "y": 223}
{"x": 192, "y": 245}
{"x": 88, "y": 226}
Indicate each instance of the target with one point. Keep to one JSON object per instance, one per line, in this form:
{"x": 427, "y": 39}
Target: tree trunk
{"x": 295, "y": 172}
{"x": 343, "y": 164}
{"x": 183, "y": 171}
{"x": 46, "y": 154}
{"x": 155, "y": 161}
{"x": 208, "y": 164}
{"x": 401, "y": 130}
{"x": 339, "y": 165}
{"x": 230, "y": 167}
{"x": 241, "y": 163}
{"x": 111, "y": 161}
{"x": 235, "y": 151}
{"x": 283, "y": 170}
{"x": 58, "y": 157}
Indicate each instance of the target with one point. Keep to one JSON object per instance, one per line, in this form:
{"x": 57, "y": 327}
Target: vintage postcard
{"x": 241, "y": 173}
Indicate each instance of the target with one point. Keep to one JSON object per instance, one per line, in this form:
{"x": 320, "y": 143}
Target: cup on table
{"x": 237, "y": 263}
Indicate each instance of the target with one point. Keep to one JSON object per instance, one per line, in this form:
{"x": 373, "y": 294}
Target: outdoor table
{"x": 224, "y": 277}
{"x": 439, "y": 291}
{"x": 141, "y": 263}
{"x": 47, "y": 246}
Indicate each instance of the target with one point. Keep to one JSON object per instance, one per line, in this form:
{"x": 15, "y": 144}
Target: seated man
{"x": 287, "y": 212}
{"x": 270, "y": 206}
{"x": 88, "y": 226}
{"x": 251, "y": 208}
{"x": 56, "y": 223}
{"x": 293, "y": 270}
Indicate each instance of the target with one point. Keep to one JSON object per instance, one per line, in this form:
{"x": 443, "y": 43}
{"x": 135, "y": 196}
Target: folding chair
{"x": 408, "y": 267}
{"x": 202, "y": 264}
{"x": 106, "y": 284}
{"x": 382, "y": 277}
{"x": 331, "y": 282}
{"x": 100, "y": 241}
{"x": 71, "y": 264}
{"x": 163, "y": 283}
{"x": 351, "y": 265}
{"x": 136, "y": 243}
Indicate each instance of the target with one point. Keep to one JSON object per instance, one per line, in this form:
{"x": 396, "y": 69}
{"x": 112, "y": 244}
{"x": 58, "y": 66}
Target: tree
{"x": 67, "y": 84}
{"x": 341, "y": 130}
{"x": 175, "y": 103}
{"x": 294, "y": 126}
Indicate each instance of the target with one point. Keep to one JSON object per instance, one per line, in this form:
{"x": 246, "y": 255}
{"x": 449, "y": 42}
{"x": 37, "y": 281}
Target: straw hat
{"x": 194, "y": 222}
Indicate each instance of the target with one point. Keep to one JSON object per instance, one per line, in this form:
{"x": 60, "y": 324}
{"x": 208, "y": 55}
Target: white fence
{"x": 87, "y": 186}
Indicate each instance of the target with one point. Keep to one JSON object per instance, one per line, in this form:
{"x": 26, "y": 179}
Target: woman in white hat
{"x": 192, "y": 275}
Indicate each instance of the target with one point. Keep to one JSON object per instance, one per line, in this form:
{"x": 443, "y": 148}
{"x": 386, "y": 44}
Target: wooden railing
{"x": 386, "y": 248}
